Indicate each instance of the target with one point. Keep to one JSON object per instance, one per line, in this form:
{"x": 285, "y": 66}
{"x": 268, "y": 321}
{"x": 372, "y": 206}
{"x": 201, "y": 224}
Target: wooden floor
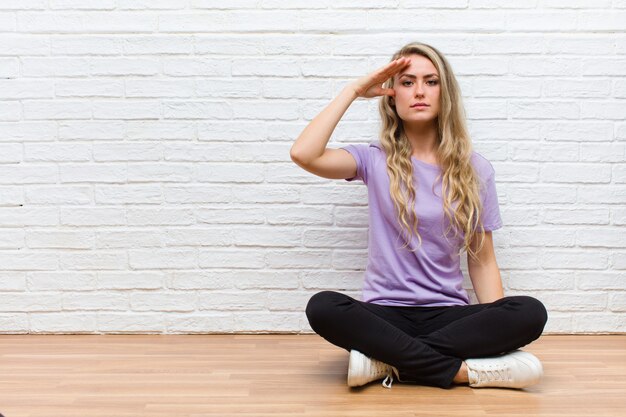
{"x": 279, "y": 375}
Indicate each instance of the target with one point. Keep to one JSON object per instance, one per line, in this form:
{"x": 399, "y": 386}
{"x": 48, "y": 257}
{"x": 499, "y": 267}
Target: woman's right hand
{"x": 370, "y": 85}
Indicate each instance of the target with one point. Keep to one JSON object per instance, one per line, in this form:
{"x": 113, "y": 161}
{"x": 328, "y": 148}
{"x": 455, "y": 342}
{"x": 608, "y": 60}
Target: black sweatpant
{"x": 426, "y": 344}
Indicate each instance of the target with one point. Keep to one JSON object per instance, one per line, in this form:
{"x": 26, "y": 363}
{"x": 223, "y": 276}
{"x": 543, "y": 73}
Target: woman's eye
{"x": 431, "y": 82}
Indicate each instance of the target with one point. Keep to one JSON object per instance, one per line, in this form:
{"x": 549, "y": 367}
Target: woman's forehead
{"x": 419, "y": 67}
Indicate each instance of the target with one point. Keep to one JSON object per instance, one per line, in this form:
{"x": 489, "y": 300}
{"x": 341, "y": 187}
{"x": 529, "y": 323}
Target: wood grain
{"x": 280, "y": 375}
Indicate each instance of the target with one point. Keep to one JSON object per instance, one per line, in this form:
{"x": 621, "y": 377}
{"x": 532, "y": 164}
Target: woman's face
{"x": 414, "y": 84}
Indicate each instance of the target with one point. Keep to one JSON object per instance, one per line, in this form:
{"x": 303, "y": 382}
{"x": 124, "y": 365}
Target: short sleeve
{"x": 491, "y": 210}
{"x": 360, "y": 153}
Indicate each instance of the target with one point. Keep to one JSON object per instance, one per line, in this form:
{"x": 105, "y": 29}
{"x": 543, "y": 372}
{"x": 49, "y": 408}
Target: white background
{"x": 145, "y": 177}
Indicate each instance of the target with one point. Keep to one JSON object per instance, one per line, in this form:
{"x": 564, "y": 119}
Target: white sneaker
{"x": 362, "y": 370}
{"x": 517, "y": 369}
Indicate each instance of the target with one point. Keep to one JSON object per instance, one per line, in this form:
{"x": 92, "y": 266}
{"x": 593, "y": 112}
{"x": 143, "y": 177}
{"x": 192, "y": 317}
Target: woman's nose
{"x": 419, "y": 90}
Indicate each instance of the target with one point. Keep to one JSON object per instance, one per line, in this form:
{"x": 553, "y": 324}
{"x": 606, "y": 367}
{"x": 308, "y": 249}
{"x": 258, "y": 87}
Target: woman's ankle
{"x": 461, "y": 376}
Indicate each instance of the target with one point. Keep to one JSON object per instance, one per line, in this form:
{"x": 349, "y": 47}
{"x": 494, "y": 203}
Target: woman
{"x": 426, "y": 185}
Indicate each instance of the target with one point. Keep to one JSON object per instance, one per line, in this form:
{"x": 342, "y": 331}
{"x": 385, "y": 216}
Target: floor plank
{"x": 280, "y": 375}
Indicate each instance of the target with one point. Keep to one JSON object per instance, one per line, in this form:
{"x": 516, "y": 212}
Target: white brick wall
{"x": 145, "y": 177}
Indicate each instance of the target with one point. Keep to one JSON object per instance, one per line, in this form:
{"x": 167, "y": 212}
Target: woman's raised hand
{"x": 370, "y": 85}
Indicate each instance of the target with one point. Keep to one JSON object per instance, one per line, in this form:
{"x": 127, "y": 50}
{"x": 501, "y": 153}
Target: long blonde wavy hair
{"x": 460, "y": 183}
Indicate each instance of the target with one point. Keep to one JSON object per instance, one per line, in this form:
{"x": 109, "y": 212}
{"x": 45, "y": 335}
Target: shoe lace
{"x": 494, "y": 375}
{"x": 388, "y": 381}
{"x": 380, "y": 369}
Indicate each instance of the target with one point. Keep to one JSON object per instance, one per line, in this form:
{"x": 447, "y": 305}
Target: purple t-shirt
{"x": 430, "y": 276}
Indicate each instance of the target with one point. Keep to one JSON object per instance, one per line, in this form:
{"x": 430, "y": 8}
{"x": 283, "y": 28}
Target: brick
{"x": 578, "y": 131}
{"x": 25, "y": 45}
{"x": 240, "y": 300}
{"x": 24, "y": 5}
{"x": 527, "y": 109}
{"x": 126, "y": 110}
{"x": 12, "y": 281}
{"x": 14, "y": 323}
{"x": 157, "y": 44}
{"x": 90, "y": 88}
{"x": 349, "y": 259}
{"x": 128, "y": 239}
{"x": 335, "y": 238}
{"x": 601, "y": 280}
{"x": 243, "y": 193}
{"x": 191, "y": 67}
{"x": 599, "y": 323}
{"x": 28, "y": 261}
{"x": 273, "y": 236}
{"x": 128, "y": 194}
{"x": 601, "y": 194}
{"x": 196, "y": 110}
{"x": 163, "y": 301}
{"x": 29, "y": 302}
{"x": 308, "y": 216}
{"x": 51, "y": 110}
{"x": 91, "y": 130}
{"x": 90, "y": 172}
{"x": 26, "y": 89}
{"x": 10, "y": 111}
{"x": 266, "y": 322}
{"x": 199, "y": 280}
{"x": 602, "y": 237}
{"x": 100, "y": 301}
{"x": 159, "y": 216}
{"x": 542, "y": 237}
{"x": 575, "y": 173}
{"x": 11, "y": 196}
{"x": 163, "y": 258}
{"x": 617, "y": 302}
{"x": 93, "y": 216}
{"x": 539, "y": 280}
{"x": 11, "y": 152}
{"x": 158, "y": 129}
{"x": 574, "y": 259}
{"x": 57, "y": 152}
{"x": 46, "y": 239}
{"x": 234, "y": 215}
{"x": 85, "y": 45}
{"x": 55, "y": 67}
{"x": 330, "y": 280}
{"x": 229, "y": 173}
{"x": 109, "y": 152}
{"x": 202, "y": 322}
{"x": 82, "y": 4}
{"x": 93, "y": 260}
{"x": 12, "y": 239}
{"x": 159, "y": 88}
{"x": 576, "y": 216}
{"x": 199, "y": 237}
{"x": 9, "y": 68}
{"x": 28, "y": 216}
{"x": 131, "y": 323}
{"x": 130, "y": 280}
{"x": 161, "y": 172}
{"x": 230, "y": 258}
{"x": 197, "y": 194}
{"x": 573, "y": 301}
{"x": 74, "y": 322}
{"x": 61, "y": 281}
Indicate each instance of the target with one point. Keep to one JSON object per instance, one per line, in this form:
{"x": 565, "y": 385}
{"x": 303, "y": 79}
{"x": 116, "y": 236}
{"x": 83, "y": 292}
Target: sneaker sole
{"x": 532, "y": 362}
{"x": 354, "y": 362}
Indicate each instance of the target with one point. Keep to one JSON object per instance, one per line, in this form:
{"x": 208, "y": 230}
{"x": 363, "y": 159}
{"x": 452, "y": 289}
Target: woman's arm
{"x": 484, "y": 273}
{"x": 311, "y": 144}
